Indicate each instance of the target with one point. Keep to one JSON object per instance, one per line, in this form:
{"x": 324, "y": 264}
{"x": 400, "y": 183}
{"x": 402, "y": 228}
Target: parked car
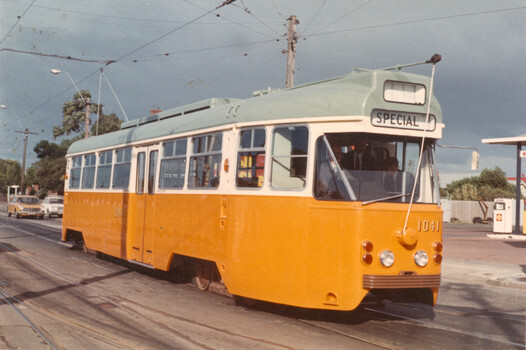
{"x": 53, "y": 205}
{"x": 25, "y": 206}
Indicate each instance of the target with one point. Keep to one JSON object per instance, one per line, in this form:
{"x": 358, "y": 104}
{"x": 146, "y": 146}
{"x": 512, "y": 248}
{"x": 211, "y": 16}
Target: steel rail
{"x": 446, "y": 328}
{"x": 8, "y": 299}
{"x": 120, "y": 303}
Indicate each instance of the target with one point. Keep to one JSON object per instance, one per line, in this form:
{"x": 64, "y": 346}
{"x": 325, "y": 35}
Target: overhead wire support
{"x": 292, "y": 39}
{"x": 26, "y": 136}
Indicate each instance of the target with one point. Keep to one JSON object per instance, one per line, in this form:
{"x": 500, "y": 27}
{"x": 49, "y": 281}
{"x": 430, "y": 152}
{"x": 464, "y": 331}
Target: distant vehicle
{"x": 25, "y": 206}
{"x": 53, "y": 205}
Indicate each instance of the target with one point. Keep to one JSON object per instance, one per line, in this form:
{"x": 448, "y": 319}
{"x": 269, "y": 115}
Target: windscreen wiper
{"x": 386, "y": 198}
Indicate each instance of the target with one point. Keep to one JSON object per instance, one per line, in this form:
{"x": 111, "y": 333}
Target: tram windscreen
{"x": 371, "y": 167}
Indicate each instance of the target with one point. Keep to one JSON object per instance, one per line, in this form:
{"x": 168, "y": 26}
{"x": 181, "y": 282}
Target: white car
{"x": 53, "y": 205}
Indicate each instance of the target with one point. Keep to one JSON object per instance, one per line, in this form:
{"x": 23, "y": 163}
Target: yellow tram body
{"x": 266, "y": 233}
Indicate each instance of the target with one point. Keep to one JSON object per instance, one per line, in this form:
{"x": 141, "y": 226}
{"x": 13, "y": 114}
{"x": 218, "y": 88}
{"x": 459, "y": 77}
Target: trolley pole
{"x": 292, "y": 39}
{"x": 22, "y": 176}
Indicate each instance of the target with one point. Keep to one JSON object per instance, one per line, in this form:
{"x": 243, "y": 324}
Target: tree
{"x": 50, "y": 168}
{"x": 490, "y": 184}
{"x": 10, "y": 172}
{"x": 74, "y": 114}
{"x": 106, "y": 124}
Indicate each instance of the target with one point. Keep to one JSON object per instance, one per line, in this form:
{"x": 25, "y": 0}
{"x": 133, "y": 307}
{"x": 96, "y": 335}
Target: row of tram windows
{"x": 348, "y": 166}
{"x": 197, "y": 163}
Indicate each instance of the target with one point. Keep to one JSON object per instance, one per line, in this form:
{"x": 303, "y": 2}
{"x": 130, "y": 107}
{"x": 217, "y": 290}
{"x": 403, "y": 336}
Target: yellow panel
{"x": 290, "y": 250}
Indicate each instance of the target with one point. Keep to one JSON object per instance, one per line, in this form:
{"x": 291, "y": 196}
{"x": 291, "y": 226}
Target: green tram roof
{"x": 356, "y": 93}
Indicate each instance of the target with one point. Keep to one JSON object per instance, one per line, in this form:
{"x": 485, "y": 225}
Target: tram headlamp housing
{"x": 421, "y": 258}
{"x": 387, "y": 258}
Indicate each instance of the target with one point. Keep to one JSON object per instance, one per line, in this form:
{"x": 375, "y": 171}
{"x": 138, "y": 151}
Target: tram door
{"x": 144, "y": 207}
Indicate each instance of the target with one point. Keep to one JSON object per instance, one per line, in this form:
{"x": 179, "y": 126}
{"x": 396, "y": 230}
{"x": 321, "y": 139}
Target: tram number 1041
{"x": 428, "y": 225}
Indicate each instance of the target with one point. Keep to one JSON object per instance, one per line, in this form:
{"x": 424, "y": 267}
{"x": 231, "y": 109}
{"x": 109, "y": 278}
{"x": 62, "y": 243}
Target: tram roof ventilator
{"x": 179, "y": 111}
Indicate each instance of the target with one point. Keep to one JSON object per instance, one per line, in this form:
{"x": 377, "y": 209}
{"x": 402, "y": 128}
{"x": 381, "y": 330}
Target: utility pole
{"x": 292, "y": 39}
{"x": 22, "y": 176}
{"x": 87, "y": 119}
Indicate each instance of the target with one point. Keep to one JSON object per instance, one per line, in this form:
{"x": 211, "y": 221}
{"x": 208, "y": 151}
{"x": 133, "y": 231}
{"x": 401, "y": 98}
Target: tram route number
{"x": 428, "y": 225}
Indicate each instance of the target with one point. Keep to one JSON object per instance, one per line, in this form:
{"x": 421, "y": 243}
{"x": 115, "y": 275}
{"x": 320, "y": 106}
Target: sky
{"x": 166, "y": 53}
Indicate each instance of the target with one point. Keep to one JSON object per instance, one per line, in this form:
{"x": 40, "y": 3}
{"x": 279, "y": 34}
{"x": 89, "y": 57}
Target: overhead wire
{"x": 313, "y": 17}
{"x": 103, "y": 15}
{"x": 311, "y": 35}
{"x": 57, "y": 56}
{"x": 234, "y": 22}
{"x": 136, "y": 50}
{"x": 279, "y": 12}
{"x": 430, "y": 19}
{"x": 17, "y": 21}
{"x": 347, "y": 14}
{"x": 144, "y": 58}
{"x": 245, "y": 8}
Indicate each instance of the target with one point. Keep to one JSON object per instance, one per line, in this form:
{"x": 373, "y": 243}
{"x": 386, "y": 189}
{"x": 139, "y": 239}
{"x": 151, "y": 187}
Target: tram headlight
{"x": 421, "y": 258}
{"x": 387, "y": 258}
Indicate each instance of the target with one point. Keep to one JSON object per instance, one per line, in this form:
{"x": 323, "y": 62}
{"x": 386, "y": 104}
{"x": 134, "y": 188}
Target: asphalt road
{"x": 52, "y": 297}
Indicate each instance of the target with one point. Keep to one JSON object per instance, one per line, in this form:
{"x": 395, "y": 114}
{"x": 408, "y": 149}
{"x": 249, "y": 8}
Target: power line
{"x": 17, "y": 21}
{"x": 279, "y": 12}
{"x": 347, "y": 14}
{"x": 58, "y": 56}
{"x": 315, "y": 15}
{"x": 200, "y": 50}
{"x": 102, "y": 15}
{"x": 420, "y": 21}
{"x": 237, "y": 23}
{"x": 174, "y": 30}
{"x": 259, "y": 20}
{"x": 135, "y": 50}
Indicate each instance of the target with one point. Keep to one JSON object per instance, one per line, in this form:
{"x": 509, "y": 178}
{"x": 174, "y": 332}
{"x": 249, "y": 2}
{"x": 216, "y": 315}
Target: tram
{"x": 311, "y": 196}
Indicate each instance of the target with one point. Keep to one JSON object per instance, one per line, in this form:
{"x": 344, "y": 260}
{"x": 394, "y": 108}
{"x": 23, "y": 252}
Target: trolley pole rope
{"x": 435, "y": 59}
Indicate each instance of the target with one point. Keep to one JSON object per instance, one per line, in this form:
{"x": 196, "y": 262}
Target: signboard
{"x": 523, "y": 154}
{"x": 402, "y": 120}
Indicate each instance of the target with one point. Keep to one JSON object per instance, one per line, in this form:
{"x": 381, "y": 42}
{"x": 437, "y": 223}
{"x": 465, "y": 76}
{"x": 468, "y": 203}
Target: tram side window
{"x": 173, "y": 164}
{"x": 251, "y": 158}
{"x": 205, "y": 162}
{"x": 88, "y": 175}
{"x": 121, "y": 168}
{"x": 76, "y": 168}
{"x": 104, "y": 169}
{"x": 289, "y": 157}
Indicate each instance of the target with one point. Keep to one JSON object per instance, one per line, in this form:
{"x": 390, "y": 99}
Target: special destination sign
{"x": 402, "y": 120}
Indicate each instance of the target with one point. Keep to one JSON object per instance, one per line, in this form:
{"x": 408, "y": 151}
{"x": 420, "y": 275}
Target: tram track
{"x": 436, "y": 326}
{"x": 395, "y": 320}
{"x": 159, "y": 317}
{"x": 127, "y": 305}
{"x": 7, "y": 298}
